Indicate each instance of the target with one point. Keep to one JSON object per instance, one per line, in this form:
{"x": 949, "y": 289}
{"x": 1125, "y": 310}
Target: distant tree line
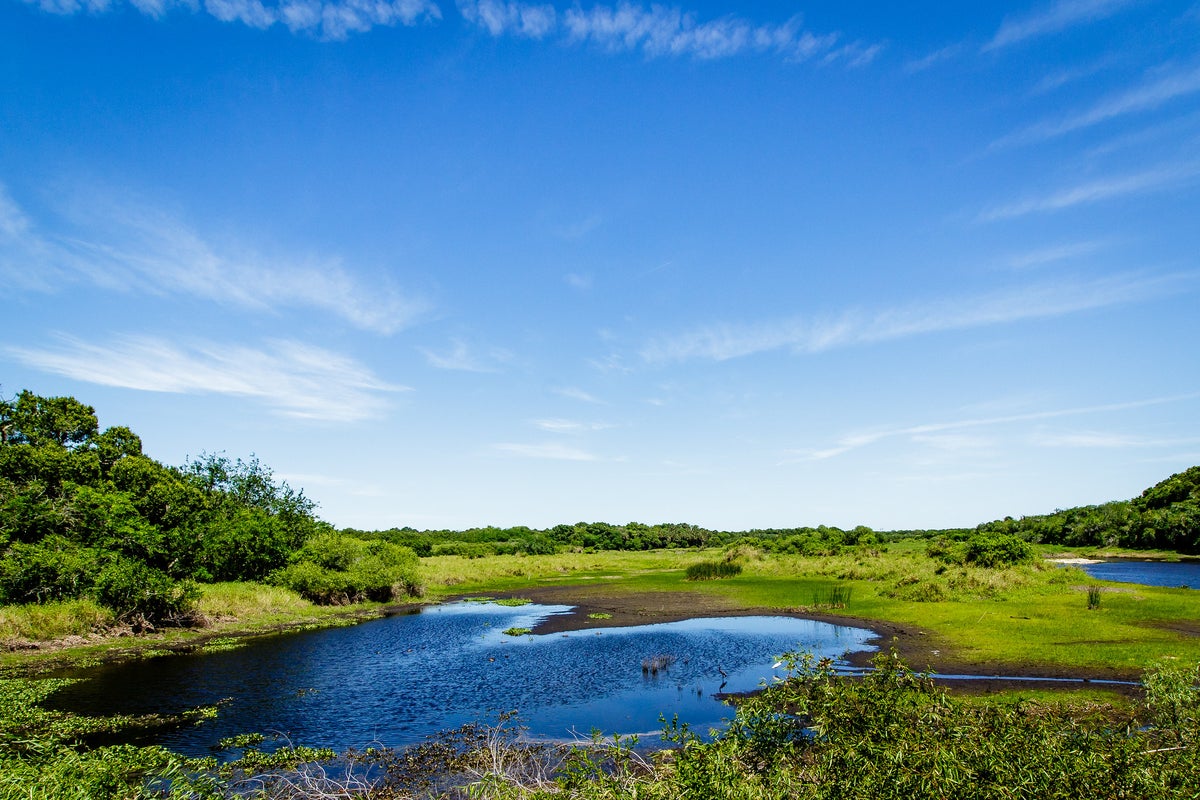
{"x": 1165, "y": 516}
{"x": 596, "y": 536}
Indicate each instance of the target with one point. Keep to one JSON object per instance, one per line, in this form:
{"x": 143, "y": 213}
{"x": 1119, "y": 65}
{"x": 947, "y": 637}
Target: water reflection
{"x": 395, "y": 681}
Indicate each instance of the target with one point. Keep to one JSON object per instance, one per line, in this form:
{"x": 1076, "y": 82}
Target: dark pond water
{"x": 1149, "y": 573}
{"x": 396, "y": 680}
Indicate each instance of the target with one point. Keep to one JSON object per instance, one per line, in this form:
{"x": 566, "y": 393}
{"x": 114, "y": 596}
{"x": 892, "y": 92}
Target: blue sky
{"x": 445, "y": 265}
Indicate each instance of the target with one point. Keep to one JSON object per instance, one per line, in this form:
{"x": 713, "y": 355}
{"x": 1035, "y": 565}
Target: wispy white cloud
{"x": 579, "y": 282}
{"x": 291, "y": 378}
{"x": 932, "y": 59}
{"x": 1058, "y": 17}
{"x": 462, "y": 357}
{"x": 570, "y": 426}
{"x": 1153, "y": 180}
{"x": 13, "y": 221}
{"x": 554, "y": 451}
{"x": 1059, "y": 78}
{"x": 855, "y": 441}
{"x": 122, "y": 247}
{"x": 804, "y": 335}
{"x": 1146, "y": 97}
{"x": 613, "y": 362}
{"x": 324, "y": 19}
{"x": 1107, "y": 440}
{"x": 659, "y": 31}
{"x": 580, "y": 228}
{"x": 1053, "y": 254}
{"x": 575, "y": 393}
{"x": 501, "y": 18}
{"x": 1180, "y": 128}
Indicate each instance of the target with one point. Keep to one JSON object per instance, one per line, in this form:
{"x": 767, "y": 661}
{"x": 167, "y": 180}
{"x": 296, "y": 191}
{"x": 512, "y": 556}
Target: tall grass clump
{"x": 249, "y": 600}
{"x": 1093, "y": 598}
{"x": 835, "y": 596}
{"x": 47, "y": 621}
{"x": 712, "y": 570}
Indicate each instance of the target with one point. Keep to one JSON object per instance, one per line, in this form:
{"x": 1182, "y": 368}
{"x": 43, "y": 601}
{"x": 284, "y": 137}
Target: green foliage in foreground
{"x": 892, "y": 734}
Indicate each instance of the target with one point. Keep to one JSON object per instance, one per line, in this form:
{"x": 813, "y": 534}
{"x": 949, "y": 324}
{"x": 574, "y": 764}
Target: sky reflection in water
{"x": 395, "y": 681}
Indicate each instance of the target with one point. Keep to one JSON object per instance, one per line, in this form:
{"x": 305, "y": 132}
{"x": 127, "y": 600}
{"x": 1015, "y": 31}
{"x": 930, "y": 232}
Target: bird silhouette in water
{"x": 724, "y": 677}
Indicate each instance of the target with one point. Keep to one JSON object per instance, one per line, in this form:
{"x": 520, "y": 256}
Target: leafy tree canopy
{"x": 85, "y": 513}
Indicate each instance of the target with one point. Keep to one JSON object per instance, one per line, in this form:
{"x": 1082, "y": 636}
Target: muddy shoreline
{"x": 920, "y": 649}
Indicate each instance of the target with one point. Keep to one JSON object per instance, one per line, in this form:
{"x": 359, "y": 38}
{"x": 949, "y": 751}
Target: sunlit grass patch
{"x": 247, "y": 600}
{"x": 49, "y": 621}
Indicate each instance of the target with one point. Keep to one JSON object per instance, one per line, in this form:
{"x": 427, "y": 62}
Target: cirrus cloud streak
{"x": 659, "y": 31}
{"x": 813, "y": 335}
{"x": 291, "y": 378}
{"x": 324, "y": 19}
{"x": 128, "y": 248}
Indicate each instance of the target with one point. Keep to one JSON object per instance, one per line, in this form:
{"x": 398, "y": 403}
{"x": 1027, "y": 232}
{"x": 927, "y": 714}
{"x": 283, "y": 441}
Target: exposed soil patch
{"x": 920, "y": 649}
{"x": 1185, "y": 627}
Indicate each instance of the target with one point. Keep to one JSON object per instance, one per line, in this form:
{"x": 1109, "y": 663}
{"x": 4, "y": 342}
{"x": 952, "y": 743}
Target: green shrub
{"x": 143, "y": 594}
{"x": 335, "y": 569}
{"x": 991, "y": 550}
{"x": 53, "y": 569}
{"x": 997, "y": 550}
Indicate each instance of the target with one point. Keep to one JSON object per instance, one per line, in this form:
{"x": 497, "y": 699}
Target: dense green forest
{"x": 84, "y": 513}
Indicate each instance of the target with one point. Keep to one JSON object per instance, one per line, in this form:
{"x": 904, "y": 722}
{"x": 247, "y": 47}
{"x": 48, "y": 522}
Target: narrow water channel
{"x": 397, "y": 680}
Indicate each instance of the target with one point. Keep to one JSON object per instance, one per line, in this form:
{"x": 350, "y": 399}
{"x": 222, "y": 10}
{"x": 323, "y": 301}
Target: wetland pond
{"x": 397, "y": 680}
{"x": 1185, "y": 574}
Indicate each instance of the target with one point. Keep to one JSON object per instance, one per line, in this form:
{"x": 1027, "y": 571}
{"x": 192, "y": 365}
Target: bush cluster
{"x": 336, "y": 569}
{"x": 990, "y": 550}
{"x": 84, "y": 514}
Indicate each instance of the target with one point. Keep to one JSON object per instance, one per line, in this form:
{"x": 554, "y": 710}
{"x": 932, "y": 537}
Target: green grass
{"x": 39, "y": 623}
{"x": 454, "y": 575}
